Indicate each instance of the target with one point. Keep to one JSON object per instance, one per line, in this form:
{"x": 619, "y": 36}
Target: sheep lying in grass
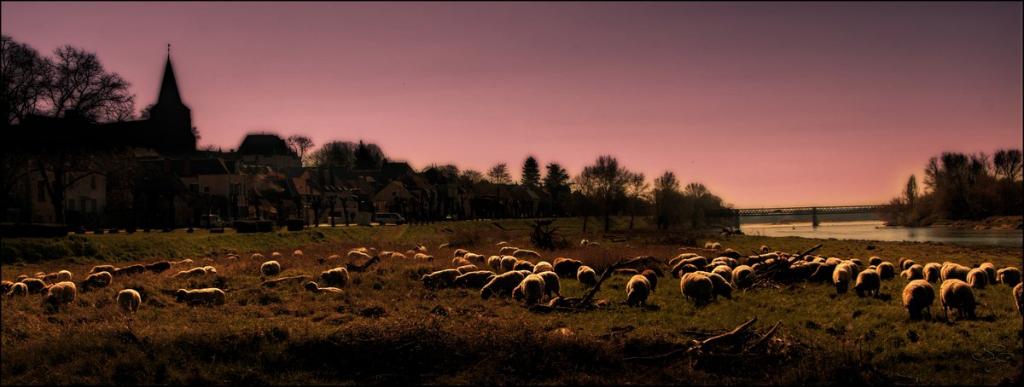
{"x": 530, "y": 290}
{"x": 494, "y": 262}
{"x": 868, "y": 283}
{"x": 523, "y": 265}
{"x": 526, "y": 254}
{"x": 97, "y": 281}
{"x": 637, "y": 290}
{"x": 918, "y": 295}
{"x": 720, "y": 285}
{"x": 1009, "y": 276}
{"x": 206, "y": 296}
{"x": 129, "y": 300}
{"x": 697, "y": 287}
{"x": 502, "y": 284}
{"x": 543, "y": 266}
{"x": 841, "y": 277}
{"x": 977, "y": 278}
{"x": 566, "y": 267}
{"x": 956, "y": 294}
{"x": 507, "y": 250}
{"x": 270, "y": 268}
{"x": 440, "y": 279}
{"x": 1018, "y": 298}
{"x": 586, "y": 276}
{"x": 335, "y": 277}
{"x": 195, "y": 272}
{"x": 954, "y": 271}
{"x": 886, "y": 271}
{"x": 508, "y": 263}
{"x": 914, "y": 272}
{"x": 932, "y": 272}
{"x": 17, "y": 289}
{"x": 315, "y": 288}
{"x": 61, "y": 293}
{"x": 741, "y": 276}
{"x": 474, "y": 279}
{"x": 35, "y": 285}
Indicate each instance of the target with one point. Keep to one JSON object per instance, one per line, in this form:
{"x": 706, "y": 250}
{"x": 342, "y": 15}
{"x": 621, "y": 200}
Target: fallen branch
{"x": 727, "y": 337}
{"x": 364, "y": 266}
{"x": 275, "y": 281}
{"x": 764, "y": 338}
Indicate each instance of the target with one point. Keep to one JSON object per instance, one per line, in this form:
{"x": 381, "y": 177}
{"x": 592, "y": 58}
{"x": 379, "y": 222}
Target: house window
{"x": 41, "y": 191}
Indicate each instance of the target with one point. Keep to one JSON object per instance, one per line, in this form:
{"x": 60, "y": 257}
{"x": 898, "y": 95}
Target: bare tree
{"x": 637, "y": 191}
{"x": 301, "y": 145}
{"x": 498, "y": 174}
{"x": 667, "y": 204}
{"x": 609, "y": 185}
{"x": 471, "y": 176}
{"x": 80, "y": 83}
{"x": 1007, "y": 163}
{"x": 25, "y": 76}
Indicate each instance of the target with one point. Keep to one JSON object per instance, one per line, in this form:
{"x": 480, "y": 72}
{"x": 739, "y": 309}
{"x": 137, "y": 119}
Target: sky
{"x": 768, "y": 104}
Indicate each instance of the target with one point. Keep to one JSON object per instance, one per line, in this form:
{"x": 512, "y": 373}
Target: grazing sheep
{"x": 875, "y": 260}
{"x": 466, "y": 268}
{"x": 957, "y": 294}
{"x": 129, "y": 270}
{"x": 698, "y": 287}
{"x": 673, "y": 261}
{"x": 270, "y": 268}
{"x": 502, "y": 284}
{"x": 566, "y": 267}
{"x": 531, "y": 289}
{"x": 868, "y": 283}
{"x": 335, "y": 277}
{"x": 841, "y": 277}
{"x": 954, "y": 271}
{"x": 206, "y": 296}
{"x": 932, "y": 272}
{"x": 586, "y": 276}
{"x": 494, "y": 262}
{"x": 524, "y": 254}
{"x": 1018, "y": 298}
{"x": 543, "y": 266}
{"x": 652, "y": 278}
{"x": 720, "y": 285}
{"x": 186, "y": 261}
{"x": 129, "y": 300}
{"x": 637, "y": 290}
{"x": 193, "y": 272}
{"x": 584, "y": 242}
{"x": 396, "y": 255}
{"x": 5, "y": 286}
{"x": 474, "y": 279}
{"x": 523, "y": 265}
{"x": 1009, "y": 276}
{"x": 61, "y": 293}
{"x": 741, "y": 276}
{"x": 158, "y": 267}
{"x": 63, "y": 276}
{"x": 731, "y": 254}
{"x": 858, "y": 262}
{"x": 422, "y": 257}
{"x": 18, "y": 289}
{"x": 34, "y": 285}
{"x": 906, "y": 263}
{"x": 886, "y": 271}
{"x": 914, "y": 272}
{"x": 256, "y": 257}
{"x": 440, "y": 279}
{"x": 357, "y": 255}
{"x": 731, "y": 262}
{"x": 977, "y": 278}
{"x": 508, "y": 263}
{"x": 764, "y": 249}
{"x": 507, "y": 250}
{"x": 97, "y": 280}
{"x": 475, "y": 258}
{"x": 459, "y": 253}
{"x": 276, "y": 255}
{"x": 315, "y": 288}
{"x": 723, "y": 271}
{"x": 990, "y": 270}
{"x": 551, "y": 283}
{"x": 460, "y": 261}
{"x": 918, "y": 295}
{"x": 297, "y": 254}
{"x": 106, "y": 268}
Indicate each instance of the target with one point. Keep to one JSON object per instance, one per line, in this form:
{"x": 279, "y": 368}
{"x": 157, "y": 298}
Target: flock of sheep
{"x": 524, "y": 276}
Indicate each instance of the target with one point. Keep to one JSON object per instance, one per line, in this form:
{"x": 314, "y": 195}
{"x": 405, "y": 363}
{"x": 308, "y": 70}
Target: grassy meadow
{"x": 388, "y": 328}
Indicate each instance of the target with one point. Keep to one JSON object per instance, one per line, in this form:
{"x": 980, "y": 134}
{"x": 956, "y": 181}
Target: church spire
{"x": 169, "y": 87}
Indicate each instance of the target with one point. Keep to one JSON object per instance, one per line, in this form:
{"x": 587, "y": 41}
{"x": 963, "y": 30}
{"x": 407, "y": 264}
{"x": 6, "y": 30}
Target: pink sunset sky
{"x": 766, "y": 104}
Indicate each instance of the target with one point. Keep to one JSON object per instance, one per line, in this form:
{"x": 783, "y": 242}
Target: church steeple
{"x": 169, "y": 87}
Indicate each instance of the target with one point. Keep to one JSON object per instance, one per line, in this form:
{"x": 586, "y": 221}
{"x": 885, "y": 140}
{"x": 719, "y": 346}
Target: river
{"x": 876, "y": 230}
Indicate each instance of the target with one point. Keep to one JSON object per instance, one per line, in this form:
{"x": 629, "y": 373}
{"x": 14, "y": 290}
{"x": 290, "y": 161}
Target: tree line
{"x": 960, "y": 186}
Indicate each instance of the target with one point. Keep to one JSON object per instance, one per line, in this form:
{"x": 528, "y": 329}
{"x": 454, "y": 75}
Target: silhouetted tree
{"x": 78, "y": 82}
{"x": 636, "y": 192}
{"x": 369, "y": 156}
{"x": 531, "y": 172}
{"x": 300, "y": 145}
{"x": 609, "y": 180}
{"x": 25, "y": 77}
{"x": 498, "y": 174}
{"x": 471, "y": 176}
{"x": 667, "y": 201}
{"x": 1007, "y": 163}
{"x": 556, "y": 183}
{"x": 910, "y": 192}
{"x": 339, "y": 154}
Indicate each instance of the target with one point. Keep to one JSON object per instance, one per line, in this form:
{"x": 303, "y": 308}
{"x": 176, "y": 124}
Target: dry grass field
{"x": 388, "y": 328}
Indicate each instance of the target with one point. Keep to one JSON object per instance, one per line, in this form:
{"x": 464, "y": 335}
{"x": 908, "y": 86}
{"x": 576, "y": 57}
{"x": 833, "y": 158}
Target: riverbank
{"x": 991, "y": 223}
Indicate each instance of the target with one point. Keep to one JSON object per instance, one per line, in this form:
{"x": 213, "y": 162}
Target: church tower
{"x": 169, "y": 118}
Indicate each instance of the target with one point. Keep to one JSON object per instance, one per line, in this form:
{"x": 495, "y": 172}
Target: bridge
{"x": 813, "y": 211}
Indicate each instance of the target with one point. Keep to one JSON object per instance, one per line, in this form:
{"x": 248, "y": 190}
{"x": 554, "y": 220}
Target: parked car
{"x": 388, "y": 217}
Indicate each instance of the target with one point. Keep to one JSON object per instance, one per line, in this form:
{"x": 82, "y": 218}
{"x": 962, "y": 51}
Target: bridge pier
{"x": 814, "y": 217}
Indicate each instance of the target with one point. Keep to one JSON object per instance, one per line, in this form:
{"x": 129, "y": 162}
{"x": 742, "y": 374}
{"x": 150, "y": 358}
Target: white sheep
{"x": 18, "y": 289}
{"x": 61, "y": 293}
{"x": 954, "y": 271}
{"x": 474, "y": 279}
{"x": 502, "y": 284}
{"x": 990, "y": 271}
{"x": 720, "y": 285}
{"x": 530, "y": 290}
{"x": 335, "y": 277}
{"x": 566, "y": 267}
{"x": 99, "y": 268}
{"x": 741, "y": 276}
{"x": 524, "y": 254}
{"x": 507, "y": 250}
{"x": 357, "y": 255}
{"x": 494, "y": 262}
{"x": 543, "y": 266}
{"x": 875, "y": 260}
{"x": 841, "y": 277}
{"x": 315, "y": 288}
{"x": 723, "y": 271}
{"x": 276, "y": 255}
{"x": 637, "y": 290}
{"x": 551, "y": 283}
{"x": 270, "y": 268}
{"x": 586, "y": 276}
{"x": 129, "y": 300}
{"x": 523, "y": 265}
{"x": 423, "y": 257}
{"x": 508, "y": 263}
{"x": 914, "y": 272}
{"x": 193, "y": 272}
{"x": 256, "y": 257}
{"x": 652, "y": 278}
{"x": 502, "y": 243}
{"x": 297, "y": 254}
{"x": 460, "y": 261}
{"x": 868, "y": 282}
{"x": 956, "y": 294}
{"x": 905, "y": 263}
{"x": 35, "y": 285}
{"x": 440, "y": 279}
{"x": 207, "y": 296}
{"x": 475, "y": 258}
{"x": 1009, "y": 276}
{"x": 97, "y": 280}
{"x": 918, "y": 295}
{"x": 698, "y": 287}
{"x": 977, "y": 278}
{"x": 673, "y": 261}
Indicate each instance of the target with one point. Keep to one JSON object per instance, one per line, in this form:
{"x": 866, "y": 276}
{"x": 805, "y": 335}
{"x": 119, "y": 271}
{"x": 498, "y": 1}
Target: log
{"x": 727, "y": 337}
{"x": 764, "y": 338}
{"x": 275, "y": 281}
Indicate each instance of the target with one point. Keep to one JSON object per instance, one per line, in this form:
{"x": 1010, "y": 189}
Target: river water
{"x": 876, "y": 230}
